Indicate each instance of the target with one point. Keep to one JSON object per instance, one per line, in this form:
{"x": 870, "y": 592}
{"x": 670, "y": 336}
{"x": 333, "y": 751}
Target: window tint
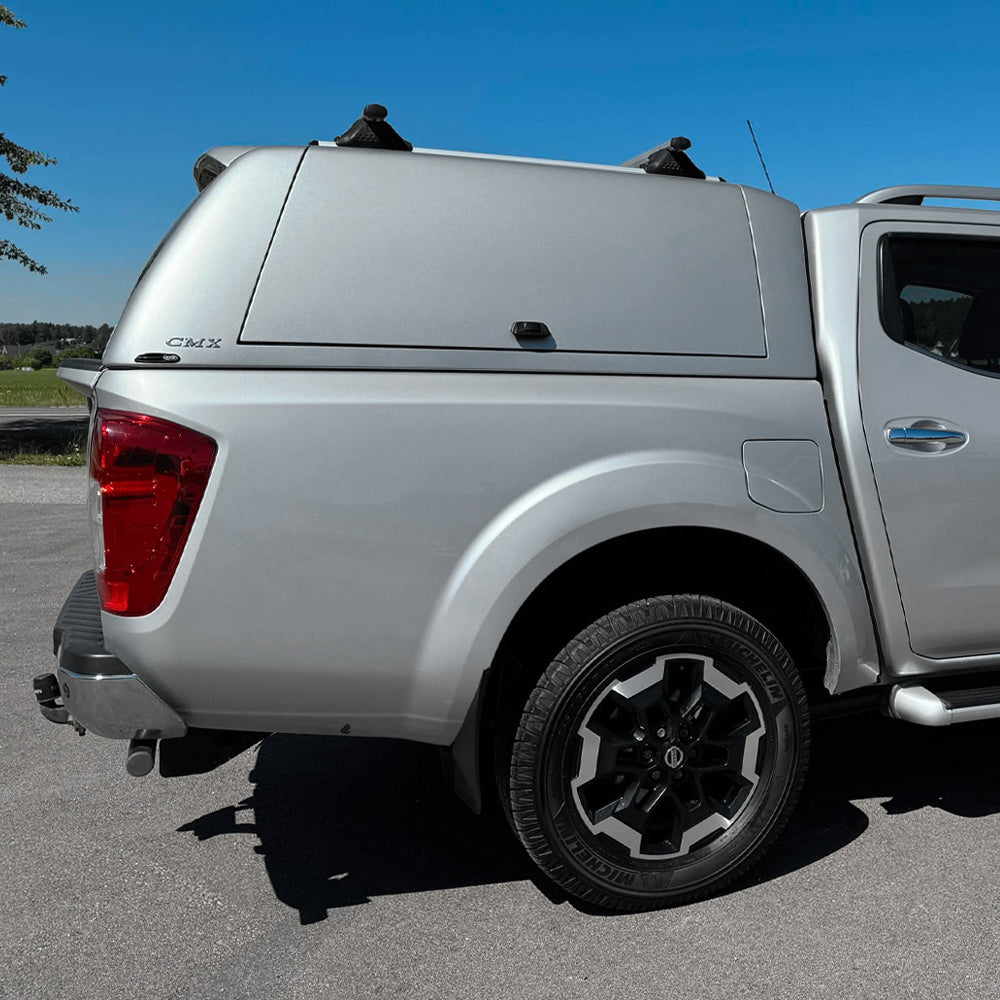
{"x": 943, "y": 296}
{"x": 937, "y": 317}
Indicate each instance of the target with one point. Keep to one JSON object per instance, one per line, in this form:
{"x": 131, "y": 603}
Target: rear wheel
{"x": 660, "y": 753}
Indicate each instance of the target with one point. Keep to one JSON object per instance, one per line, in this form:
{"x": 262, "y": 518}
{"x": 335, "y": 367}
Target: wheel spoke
{"x": 647, "y": 709}
{"x": 616, "y": 805}
{"x": 680, "y": 821}
{"x": 655, "y": 797}
{"x": 615, "y": 752}
{"x": 617, "y": 716}
{"x": 687, "y": 691}
{"x": 700, "y": 719}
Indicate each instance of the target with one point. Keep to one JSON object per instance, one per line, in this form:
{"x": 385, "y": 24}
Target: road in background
{"x": 46, "y": 414}
{"x": 40, "y": 484}
{"x": 320, "y": 867}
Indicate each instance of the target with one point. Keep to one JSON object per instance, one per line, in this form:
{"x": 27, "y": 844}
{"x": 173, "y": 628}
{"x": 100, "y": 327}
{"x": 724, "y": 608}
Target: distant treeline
{"x": 938, "y": 323}
{"x": 39, "y": 333}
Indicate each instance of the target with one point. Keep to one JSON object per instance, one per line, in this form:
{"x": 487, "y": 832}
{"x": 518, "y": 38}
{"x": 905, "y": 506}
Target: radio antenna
{"x": 760, "y": 155}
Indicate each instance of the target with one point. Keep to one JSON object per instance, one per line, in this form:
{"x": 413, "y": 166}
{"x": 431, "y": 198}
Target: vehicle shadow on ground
{"x": 871, "y": 757}
{"x": 340, "y": 821}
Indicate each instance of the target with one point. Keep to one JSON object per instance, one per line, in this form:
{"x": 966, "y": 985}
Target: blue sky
{"x": 845, "y": 97}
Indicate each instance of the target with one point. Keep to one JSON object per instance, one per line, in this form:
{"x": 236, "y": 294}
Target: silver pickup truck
{"x": 605, "y": 479}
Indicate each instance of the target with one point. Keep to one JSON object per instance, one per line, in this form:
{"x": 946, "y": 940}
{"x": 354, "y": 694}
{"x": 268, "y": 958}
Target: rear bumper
{"x": 98, "y": 691}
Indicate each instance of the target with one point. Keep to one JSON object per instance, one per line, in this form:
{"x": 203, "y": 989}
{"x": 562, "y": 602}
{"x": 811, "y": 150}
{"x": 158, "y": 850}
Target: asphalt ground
{"x": 337, "y": 867}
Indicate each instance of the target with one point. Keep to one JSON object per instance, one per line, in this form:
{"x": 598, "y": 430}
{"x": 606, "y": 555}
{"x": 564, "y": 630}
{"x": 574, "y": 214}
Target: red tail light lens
{"x": 148, "y": 477}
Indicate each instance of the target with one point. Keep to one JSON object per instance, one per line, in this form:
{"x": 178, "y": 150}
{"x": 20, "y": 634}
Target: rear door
{"x": 929, "y": 377}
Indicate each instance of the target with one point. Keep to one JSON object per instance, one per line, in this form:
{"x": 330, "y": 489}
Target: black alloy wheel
{"x": 660, "y": 753}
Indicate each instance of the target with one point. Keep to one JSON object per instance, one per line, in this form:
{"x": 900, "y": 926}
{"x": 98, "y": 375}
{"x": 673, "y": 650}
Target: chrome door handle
{"x": 926, "y": 439}
{"x": 900, "y": 435}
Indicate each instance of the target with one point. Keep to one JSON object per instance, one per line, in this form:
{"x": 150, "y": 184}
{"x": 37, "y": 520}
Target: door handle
{"x": 533, "y": 335}
{"x": 528, "y": 330}
{"x": 926, "y": 437}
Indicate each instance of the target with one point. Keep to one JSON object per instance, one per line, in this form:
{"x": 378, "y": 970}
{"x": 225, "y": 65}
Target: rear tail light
{"x": 148, "y": 477}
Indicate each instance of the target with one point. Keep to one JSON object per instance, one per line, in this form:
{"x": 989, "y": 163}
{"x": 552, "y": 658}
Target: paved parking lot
{"x": 332, "y": 867}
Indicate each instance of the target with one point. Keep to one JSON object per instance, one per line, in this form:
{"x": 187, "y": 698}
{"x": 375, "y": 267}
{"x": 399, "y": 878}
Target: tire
{"x": 659, "y": 755}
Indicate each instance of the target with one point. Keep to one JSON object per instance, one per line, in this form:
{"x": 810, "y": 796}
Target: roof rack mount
{"x": 668, "y": 158}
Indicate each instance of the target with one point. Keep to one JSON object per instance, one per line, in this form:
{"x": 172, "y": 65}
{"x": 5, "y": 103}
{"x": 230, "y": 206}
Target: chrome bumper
{"x": 118, "y": 706}
{"x": 99, "y": 693}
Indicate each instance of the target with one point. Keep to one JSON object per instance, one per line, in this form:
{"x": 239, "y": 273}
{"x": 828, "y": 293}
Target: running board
{"x": 925, "y": 708}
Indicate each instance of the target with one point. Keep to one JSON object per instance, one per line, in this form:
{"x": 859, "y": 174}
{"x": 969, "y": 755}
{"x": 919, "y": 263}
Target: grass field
{"x": 40, "y": 388}
{"x": 34, "y": 443}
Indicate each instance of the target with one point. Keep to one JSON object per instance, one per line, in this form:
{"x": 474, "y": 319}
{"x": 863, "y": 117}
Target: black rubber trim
{"x": 971, "y": 699}
{"x": 87, "y": 364}
{"x": 78, "y": 636}
{"x": 462, "y": 761}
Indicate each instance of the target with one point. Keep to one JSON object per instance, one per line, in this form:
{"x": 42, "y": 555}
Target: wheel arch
{"x": 711, "y": 562}
{"x": 574, "y": 550}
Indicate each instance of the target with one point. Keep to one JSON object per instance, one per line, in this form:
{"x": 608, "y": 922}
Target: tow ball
{"x": 47, "y": 695}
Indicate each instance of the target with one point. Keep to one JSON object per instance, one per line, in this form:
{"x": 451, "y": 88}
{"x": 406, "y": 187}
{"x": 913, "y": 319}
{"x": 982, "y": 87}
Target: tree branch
{"x": 20, "y": 158}
{"x": 10, "y": 252}
{"x": 11, "y": 187}
{"x": 15, "y": 195}
{"x": 8, "y": 17}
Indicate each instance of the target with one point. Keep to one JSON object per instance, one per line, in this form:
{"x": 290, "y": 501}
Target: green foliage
{"x": 8, "y": 17}
{"x": 938, "y": 323}
{"x": 35, "y": 359}
{"x": 27, "y": 453}
{"x": 36, "y": 333}
{"x": 18, "y": 198}
{"x": 5, "y": 363}
{"x": 80, "y": 351}
{"x": 100, "y": 341}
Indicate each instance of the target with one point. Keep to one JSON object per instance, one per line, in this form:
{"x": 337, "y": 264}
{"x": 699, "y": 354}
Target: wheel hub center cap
{"x": 673, "y": 757}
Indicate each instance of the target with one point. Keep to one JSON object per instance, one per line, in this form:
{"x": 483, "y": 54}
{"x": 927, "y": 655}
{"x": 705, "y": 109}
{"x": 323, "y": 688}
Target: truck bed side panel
{"x": 367, "y": 536}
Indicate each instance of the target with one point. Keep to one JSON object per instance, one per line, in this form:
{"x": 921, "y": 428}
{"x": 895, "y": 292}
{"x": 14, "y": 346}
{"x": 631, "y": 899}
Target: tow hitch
{"x": 141, "y": 752}
{"x": 47, "y": 694}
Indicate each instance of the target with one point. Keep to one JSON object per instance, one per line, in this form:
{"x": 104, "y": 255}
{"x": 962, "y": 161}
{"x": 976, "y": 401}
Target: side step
{"x": 925, "y": 708}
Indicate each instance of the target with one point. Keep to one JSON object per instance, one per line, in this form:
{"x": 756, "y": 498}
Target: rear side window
{"x": 942, "y": 296}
